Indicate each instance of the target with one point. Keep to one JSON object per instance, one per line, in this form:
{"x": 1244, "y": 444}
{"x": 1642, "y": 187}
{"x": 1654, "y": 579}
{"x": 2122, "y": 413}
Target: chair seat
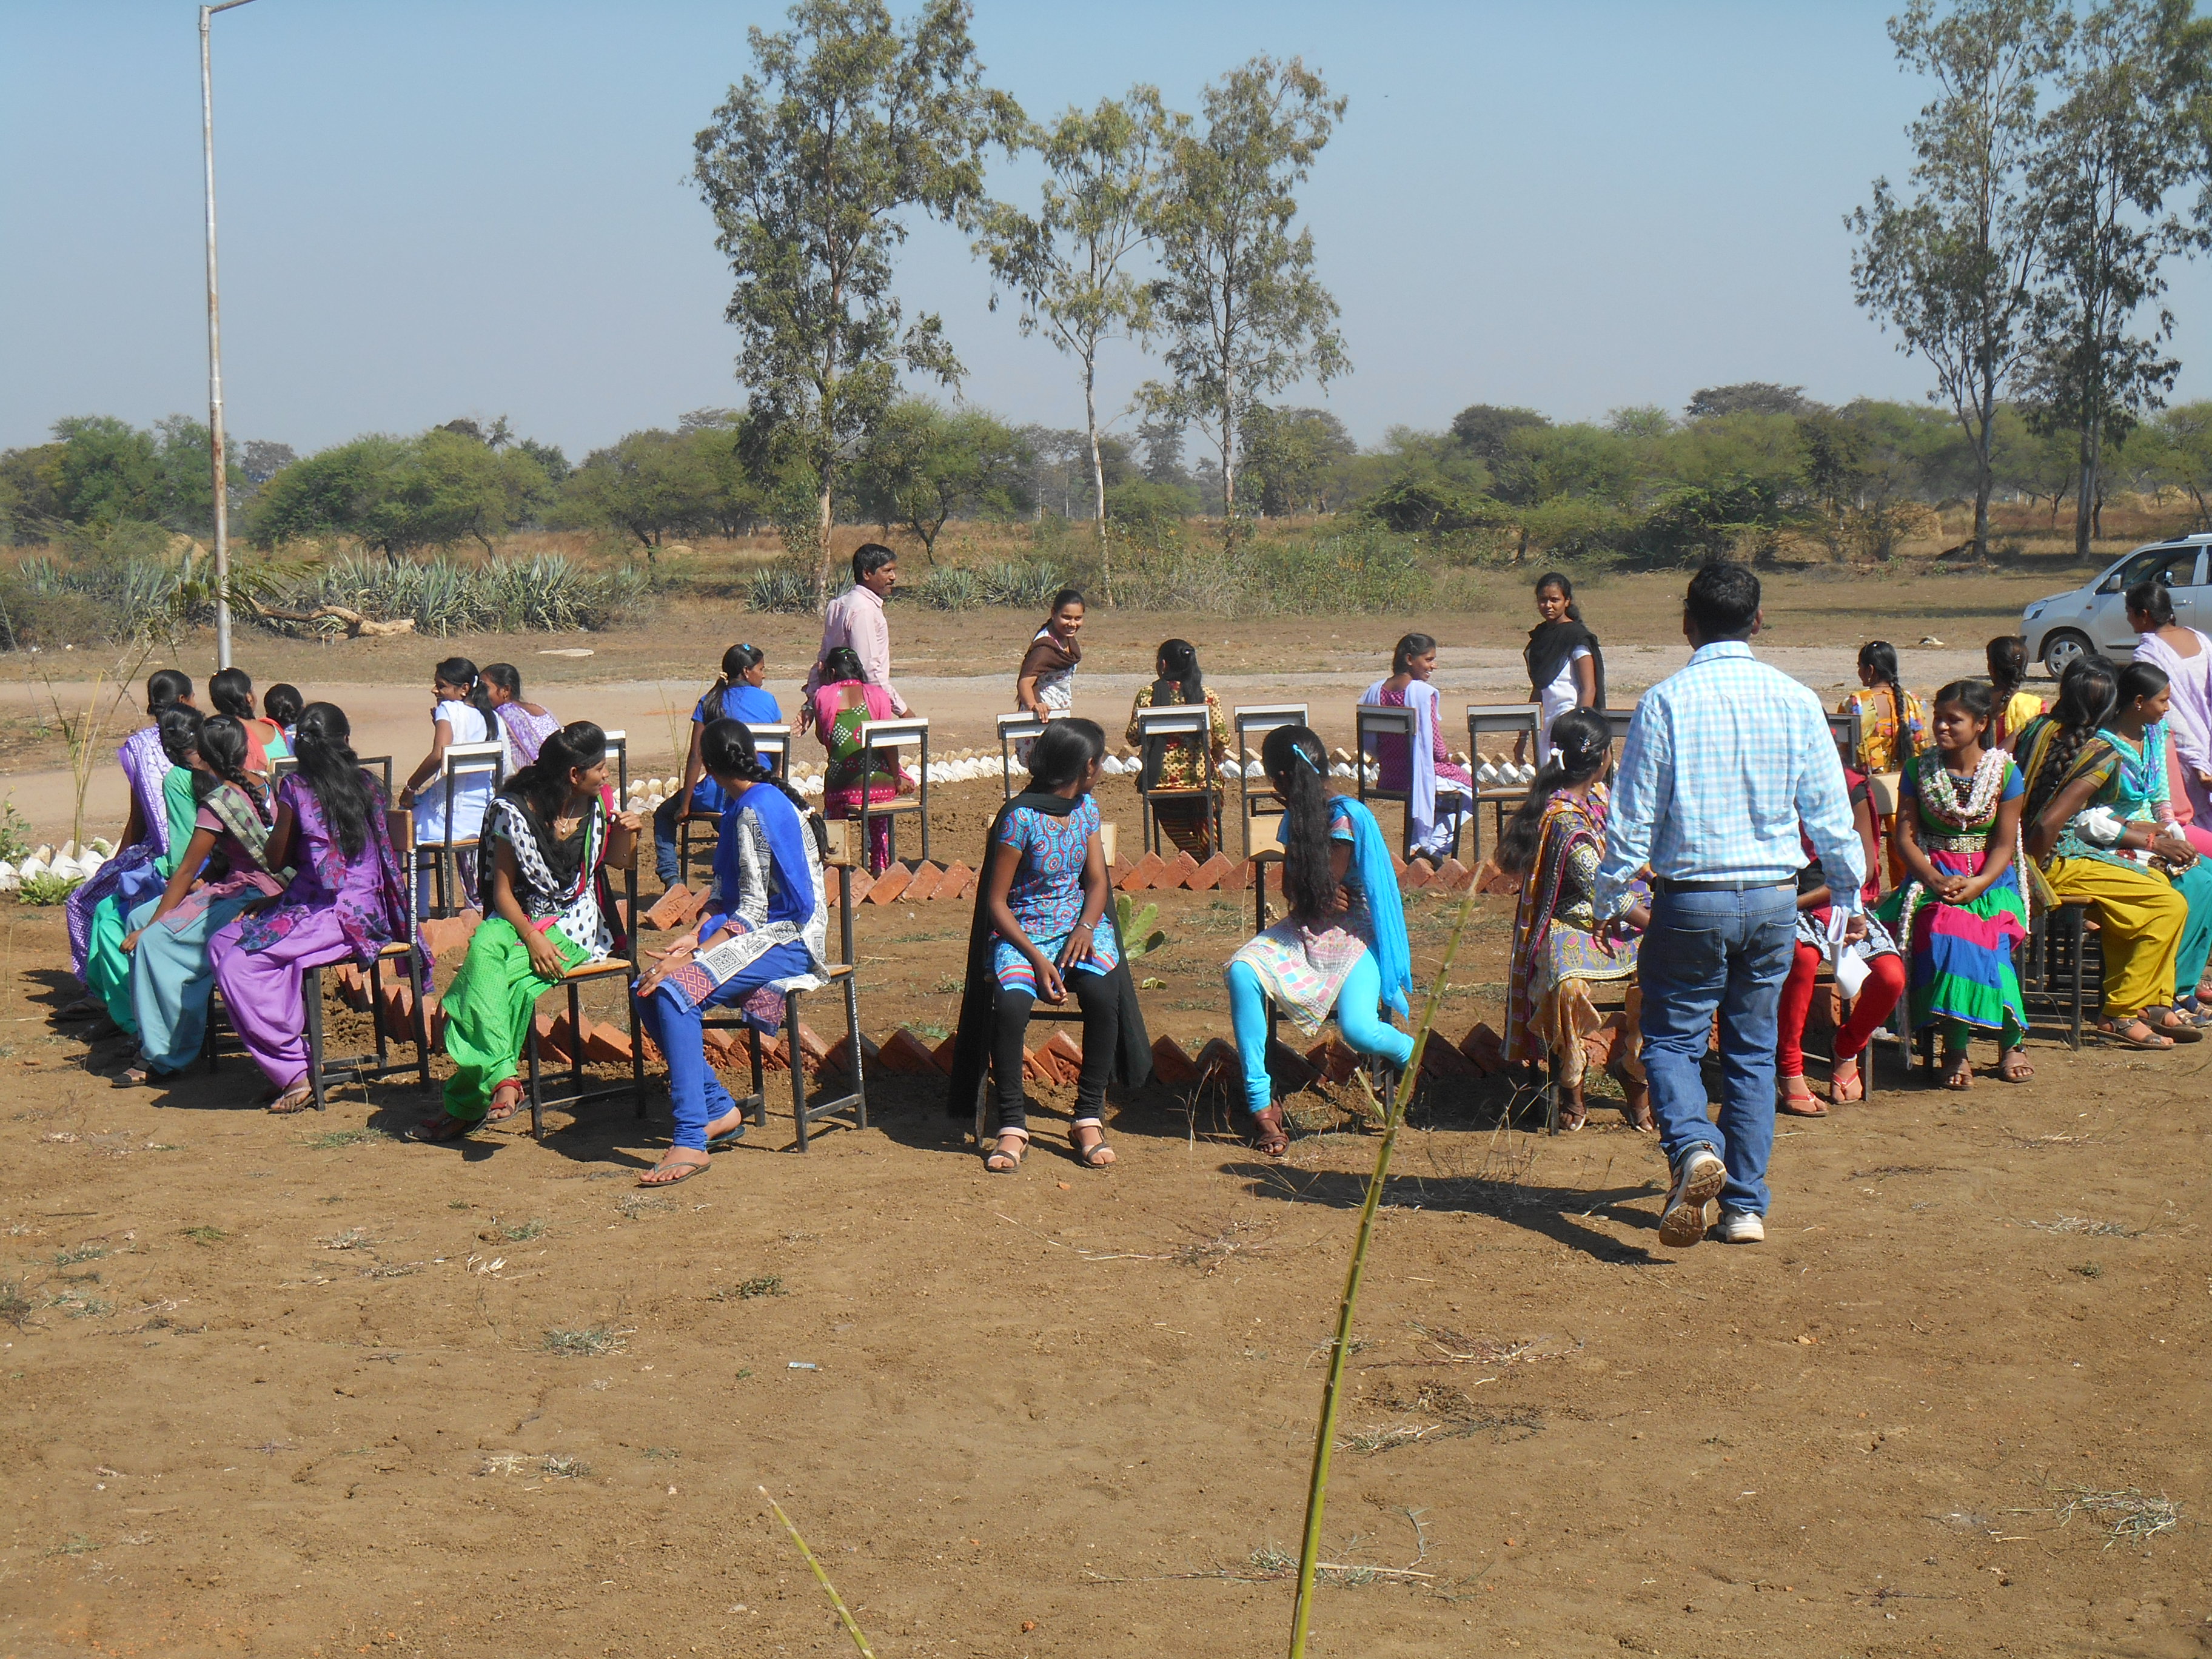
{"x": 397, "y": 948}
{"x": 597, "y": 969}
{"x": 839, "y": 970}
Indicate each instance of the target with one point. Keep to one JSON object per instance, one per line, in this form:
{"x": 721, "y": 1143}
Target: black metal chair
{"x": 1497, "y": 719}
{"x": 1248, "y": 728}
{"x": 1193, "y": 726}
{"x": 771, "y": 744}
{"x": 462, "y": 761}
{"x": 578, "y": 1090}
{"x": 322, "y": 1071}
{"x": 839, "y": 841}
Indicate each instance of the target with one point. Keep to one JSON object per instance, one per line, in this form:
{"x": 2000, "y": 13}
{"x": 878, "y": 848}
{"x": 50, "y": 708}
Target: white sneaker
{"x": 1741, "y": 1227}
{"x": 1683, "y": 1222}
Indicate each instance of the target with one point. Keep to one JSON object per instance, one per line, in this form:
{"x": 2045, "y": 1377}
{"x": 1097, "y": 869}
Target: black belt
{"x": 1665, "y": 885}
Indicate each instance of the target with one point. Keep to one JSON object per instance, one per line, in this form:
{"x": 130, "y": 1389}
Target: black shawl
{"x": 971, "y": 1045}
{"x": 1549, "y": 645}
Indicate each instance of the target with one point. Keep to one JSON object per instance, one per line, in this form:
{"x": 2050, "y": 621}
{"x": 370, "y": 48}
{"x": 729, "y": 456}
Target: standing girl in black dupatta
{"x": 1042, "y": 928}
{"x": 550, "y": 835}
{"x": 1566, "y": 670}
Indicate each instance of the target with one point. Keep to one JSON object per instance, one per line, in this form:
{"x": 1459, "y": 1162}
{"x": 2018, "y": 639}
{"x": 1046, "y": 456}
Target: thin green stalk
{"x": 1325, "y": 1437}
{"x": 828, "y": 1589}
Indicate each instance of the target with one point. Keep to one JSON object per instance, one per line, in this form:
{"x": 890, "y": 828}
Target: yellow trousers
{"x": 2142, "y": 917}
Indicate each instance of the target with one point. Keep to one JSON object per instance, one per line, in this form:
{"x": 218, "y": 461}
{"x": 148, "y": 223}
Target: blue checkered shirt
{"x": 1724, "y": 761}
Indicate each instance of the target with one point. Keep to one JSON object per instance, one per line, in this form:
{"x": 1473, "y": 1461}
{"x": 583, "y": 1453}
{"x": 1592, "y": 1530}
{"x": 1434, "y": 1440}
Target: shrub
{"x": 948, "y": 588}
{"x": 47, "y": 888}
{"x": 780, "y": 588}
{"x": 1409, "y": 505}
{"x": 1020, "y": 585}
{"x": 544, "y": 592}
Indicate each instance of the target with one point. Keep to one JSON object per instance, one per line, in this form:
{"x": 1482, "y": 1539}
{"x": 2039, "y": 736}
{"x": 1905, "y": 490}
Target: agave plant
{"x": 950, "y": 588}
{"x": 780, "y": 589}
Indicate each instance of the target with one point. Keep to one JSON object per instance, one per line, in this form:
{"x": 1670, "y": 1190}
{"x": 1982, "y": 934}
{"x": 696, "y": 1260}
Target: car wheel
{"x": 2062, "y": 650}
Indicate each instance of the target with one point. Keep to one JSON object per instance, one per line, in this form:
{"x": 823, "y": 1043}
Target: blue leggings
{"x": 1359, "y": 1013}
{"x": 697, "y": 1093}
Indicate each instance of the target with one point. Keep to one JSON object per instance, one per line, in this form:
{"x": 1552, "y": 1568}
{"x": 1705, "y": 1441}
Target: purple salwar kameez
{"x": 337, "y": 908}
{"x": 145, "y": 764}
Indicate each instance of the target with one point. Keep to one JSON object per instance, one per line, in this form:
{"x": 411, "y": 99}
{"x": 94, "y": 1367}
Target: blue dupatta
{"x": 1386, "y": 909}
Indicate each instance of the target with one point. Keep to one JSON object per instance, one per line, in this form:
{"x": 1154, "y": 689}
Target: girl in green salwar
{"x": 551, "y": 836}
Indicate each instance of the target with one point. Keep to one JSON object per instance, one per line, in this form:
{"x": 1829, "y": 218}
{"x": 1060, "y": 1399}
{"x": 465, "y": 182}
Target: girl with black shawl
{"x": 1043, "y": 928}
{"x": 551, "y": 838}
{"x": 1566, "y": 669}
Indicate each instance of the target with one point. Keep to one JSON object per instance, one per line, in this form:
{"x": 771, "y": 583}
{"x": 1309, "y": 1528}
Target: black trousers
{"x": 1102, "y": 1029}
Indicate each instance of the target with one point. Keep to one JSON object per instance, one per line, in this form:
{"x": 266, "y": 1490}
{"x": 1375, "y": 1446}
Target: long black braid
{"x": 1879, "y": 657}
{"x": 1297, "y": 766}
{"x": 2085, "y": 698}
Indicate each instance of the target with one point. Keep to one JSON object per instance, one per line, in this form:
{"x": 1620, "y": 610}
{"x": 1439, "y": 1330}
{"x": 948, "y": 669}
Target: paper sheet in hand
{"x": 1851, "y": 970}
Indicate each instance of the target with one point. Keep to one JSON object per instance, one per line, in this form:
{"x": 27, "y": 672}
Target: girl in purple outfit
{"x": 347, "y": 899}
{"x": 128, "y": 876}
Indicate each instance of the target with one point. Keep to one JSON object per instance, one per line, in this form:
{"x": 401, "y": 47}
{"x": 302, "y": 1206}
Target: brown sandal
{"x": 297, "y": 1098}
{"x": 1634, "y": 1101}
{"x": 1003, "y": 1159}
{"x": 499, "y": 1113}
{"x": 439, "y": 1130}
{"x": 1268, "y": 1135}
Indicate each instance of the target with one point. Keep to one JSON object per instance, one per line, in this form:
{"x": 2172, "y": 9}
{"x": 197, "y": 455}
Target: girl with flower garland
{"x": 1960, "y": 914}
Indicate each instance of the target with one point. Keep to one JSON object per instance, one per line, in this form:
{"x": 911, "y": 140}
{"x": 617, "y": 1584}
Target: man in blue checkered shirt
{"x": 1725, "y": 762}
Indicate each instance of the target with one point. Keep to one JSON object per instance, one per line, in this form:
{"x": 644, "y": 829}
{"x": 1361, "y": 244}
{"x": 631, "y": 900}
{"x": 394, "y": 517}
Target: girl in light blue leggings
{"x": 1342, "y": 948}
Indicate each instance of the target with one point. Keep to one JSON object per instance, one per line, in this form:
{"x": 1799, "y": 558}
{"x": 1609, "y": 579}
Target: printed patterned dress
{"x": 1961, "y": 955}
{"x": 1047, "y": 893}
{"x": 1302, "y": 969}
{"x": 1558, "y": 950}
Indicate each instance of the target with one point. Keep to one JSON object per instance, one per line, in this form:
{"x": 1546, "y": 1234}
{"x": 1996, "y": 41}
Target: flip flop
{"x": 1806, "y": 1105}
{"x": 440, "y": 1130}
{"x": 689, "y": 1170}
{"x": 727, "y": 1139}
{"x": 302, "y": 1097}
{"x": 2112, "y": 1031}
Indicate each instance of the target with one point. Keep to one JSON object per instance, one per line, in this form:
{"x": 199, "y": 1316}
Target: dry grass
{"x": 556, "y": 1468}
{"x": 2082, "y": 1224}
{"x": 589, "y": 1342}
{"x": 1212, "y": 1252}
{"x": 2129, "y": 1515}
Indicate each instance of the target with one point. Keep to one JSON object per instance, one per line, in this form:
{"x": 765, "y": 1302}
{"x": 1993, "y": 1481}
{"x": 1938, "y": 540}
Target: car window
{"x": 2181, "y": 562}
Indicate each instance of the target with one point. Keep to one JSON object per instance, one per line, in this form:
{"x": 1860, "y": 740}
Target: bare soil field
{"x": 292, "y": 1387}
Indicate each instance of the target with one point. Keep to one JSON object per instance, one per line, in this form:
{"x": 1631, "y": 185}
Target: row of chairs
{"x": 577, "y": 1089}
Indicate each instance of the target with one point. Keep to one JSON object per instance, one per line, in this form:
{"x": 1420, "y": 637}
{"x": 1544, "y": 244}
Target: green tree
{"x": 1481, "y": 429}
{"x": 1068, "y": 260}
{"x": 110, "y": 471}
{"x": 2130, "y": 130}
{"x": 1295, "y": 457}
{"x": 399, "y": 494}
{"x": 923, "y": 466}
{"x": 808, "y": 166}
{"x": 652, "y": 484}
{"x": 2177, "y": 452}
{"x": 1244, "y": 314}
{"x": 1747, "y": 398}
{"x": 1951, "y": 270}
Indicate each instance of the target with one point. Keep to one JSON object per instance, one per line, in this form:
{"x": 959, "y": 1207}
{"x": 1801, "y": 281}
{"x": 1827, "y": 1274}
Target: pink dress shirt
{"x": 855, "y": 618}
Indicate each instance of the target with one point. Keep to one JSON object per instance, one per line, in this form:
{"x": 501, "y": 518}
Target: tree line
{"x": 2063, "y": 159}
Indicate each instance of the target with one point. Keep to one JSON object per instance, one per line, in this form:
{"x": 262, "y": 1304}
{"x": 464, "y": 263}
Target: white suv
{"x": 2095, "y": 617}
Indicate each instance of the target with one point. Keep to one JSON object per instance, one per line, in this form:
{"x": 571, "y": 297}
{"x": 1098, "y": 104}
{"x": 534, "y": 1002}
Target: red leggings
{"x": 1885, "y": 984}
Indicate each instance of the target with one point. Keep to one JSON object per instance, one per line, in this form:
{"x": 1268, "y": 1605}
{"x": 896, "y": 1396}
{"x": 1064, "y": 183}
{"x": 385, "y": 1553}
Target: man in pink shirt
{"x": 855, "y": 618}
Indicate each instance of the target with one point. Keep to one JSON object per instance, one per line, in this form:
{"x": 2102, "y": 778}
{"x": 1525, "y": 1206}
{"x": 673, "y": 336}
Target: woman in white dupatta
{"x": 1439, "y": 790}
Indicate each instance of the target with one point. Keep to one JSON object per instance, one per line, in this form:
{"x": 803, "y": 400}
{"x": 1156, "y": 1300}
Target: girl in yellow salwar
{"x": 1554, "y": 844}
{"x": 2088, "y": 854}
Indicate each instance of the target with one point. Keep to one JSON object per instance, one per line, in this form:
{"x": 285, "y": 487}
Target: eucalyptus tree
{"x": 1070, "y": 261}
{"x": 2129, "y": 132}
{"x": 1953, "y": 267}
{"x": 848, "y": 123}
{"x": 1243, "y": 313}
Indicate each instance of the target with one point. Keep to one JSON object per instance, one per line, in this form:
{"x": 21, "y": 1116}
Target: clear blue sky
{"x": 431, "y": 209}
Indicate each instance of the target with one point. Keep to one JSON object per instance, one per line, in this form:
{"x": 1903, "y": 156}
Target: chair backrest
{"x": 383, "y": 764}
{"x": 1499, "y": 719}
{"x": 1185, "y": 722}
{"x": 1369, "y": 721}
{"x": 1254, "y": 723}
{"x": 1267, "y": 835}
{"x": 282, "y": 767}
{"x": 1013, "y": 729}
{"x": 1844, "y": 732}
{"x": 618, "y": 748}
{"x": 888, "y": 734}
{"x": 773, "y": 745}
{"x": 464, "y": 760}
{"x": 399, "y": 825}
{"x": 1620, "y": 719}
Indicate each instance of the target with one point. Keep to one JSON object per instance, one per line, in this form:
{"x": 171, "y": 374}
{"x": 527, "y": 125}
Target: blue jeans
{"x": 1367, "y": 1032}
{"x": 1728, "y": 951}
{"x": 697, "y": 1094}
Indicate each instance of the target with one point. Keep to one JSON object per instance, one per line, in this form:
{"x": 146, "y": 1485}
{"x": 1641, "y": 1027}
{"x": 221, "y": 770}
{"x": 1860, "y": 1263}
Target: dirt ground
{"x": 292, "y": 1387}
{"x": 270, "y": 1391}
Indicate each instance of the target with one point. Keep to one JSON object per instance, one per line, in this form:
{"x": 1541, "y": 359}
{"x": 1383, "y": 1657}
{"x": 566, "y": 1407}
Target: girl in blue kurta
{"x": 737, "y": 696}
{"x": 767, "y": 894}
{"x": 1342, "y": 948}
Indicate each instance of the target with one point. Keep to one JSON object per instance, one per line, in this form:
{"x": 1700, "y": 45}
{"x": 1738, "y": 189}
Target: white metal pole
{"x": 215, "y": 352}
